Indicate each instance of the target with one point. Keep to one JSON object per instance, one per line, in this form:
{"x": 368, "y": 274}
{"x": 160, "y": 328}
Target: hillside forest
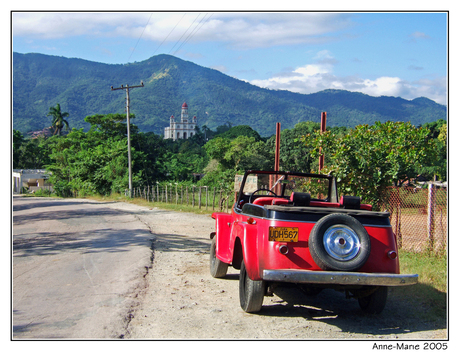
{"x": 366, "y": 159}
{"x": 83, "y": 88}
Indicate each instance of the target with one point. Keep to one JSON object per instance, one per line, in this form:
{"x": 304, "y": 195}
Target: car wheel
{"x": 339, "y": 242}
{"x": 217, "y": 267}
{"x": 251, "y": 292}
{"x": 375, "y": 302}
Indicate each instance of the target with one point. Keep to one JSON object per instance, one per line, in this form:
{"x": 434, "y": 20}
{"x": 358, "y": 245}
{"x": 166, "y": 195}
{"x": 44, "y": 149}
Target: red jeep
{"x": 292, "y": 227}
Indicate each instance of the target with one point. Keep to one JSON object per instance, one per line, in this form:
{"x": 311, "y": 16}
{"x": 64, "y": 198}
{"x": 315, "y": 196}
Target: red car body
{"x": 286, "y": 235}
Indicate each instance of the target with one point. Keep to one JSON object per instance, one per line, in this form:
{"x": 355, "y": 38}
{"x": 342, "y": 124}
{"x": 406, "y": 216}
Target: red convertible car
{"x": 292, "y": 227}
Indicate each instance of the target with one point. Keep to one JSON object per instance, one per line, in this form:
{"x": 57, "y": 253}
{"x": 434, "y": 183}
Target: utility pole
{"x": 127, "y": 88}
{"x": 323, "y": 129}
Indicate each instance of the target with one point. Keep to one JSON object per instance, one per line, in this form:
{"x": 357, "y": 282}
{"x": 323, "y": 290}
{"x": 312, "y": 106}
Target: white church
{"x": 182, "y": 129}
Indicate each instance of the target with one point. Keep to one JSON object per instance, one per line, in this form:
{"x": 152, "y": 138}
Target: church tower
{"x": 184, "y": 113}
{"x": 182, "y": 129}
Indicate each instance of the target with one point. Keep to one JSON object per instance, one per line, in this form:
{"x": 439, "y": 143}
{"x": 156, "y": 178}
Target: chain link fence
{"x": 419, "y": 217}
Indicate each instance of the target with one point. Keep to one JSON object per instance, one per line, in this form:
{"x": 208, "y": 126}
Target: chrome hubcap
{"x": 341, "y": 242}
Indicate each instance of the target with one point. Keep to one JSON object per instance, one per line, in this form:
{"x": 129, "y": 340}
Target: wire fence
{"x": 419, "y": 218}
{"x": 208, "y": 198}
{"x": 418, "y": 215}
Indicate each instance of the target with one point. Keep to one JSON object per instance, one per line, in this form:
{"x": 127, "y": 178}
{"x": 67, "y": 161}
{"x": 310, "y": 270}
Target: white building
{"x": 182, "y": 129}
{"x": 32, "y": 180}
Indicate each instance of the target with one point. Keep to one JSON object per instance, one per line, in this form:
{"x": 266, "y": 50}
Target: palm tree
{"x": 58, "y": 119}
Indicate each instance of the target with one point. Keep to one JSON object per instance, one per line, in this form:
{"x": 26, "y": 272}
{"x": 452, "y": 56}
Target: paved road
{"x": 77, "y": 268}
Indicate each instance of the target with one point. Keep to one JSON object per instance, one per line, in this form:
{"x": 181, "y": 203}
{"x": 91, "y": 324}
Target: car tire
{"x": 356, "y": 238}
{"x": 217, "y": 267}
{"x": 251, "y": 292}
{"x": 375, "y": 302}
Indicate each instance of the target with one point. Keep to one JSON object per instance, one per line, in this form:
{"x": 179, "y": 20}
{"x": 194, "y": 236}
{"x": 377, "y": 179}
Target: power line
{"x": 184, "y": 33}
{"x": 195, "y": 30}
{"x": 169, "y": 34}
{"x": 132, "y": 51}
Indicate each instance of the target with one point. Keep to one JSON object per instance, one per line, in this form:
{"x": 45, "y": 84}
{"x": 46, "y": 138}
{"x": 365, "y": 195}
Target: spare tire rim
{"x": 341, "y": 242}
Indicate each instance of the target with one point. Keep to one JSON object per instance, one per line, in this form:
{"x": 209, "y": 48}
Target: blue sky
{"x": 376, "y": 53}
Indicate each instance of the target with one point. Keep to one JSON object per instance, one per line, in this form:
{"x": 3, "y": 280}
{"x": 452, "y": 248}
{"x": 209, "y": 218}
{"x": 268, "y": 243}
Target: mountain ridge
{"x": 82, "y": 88}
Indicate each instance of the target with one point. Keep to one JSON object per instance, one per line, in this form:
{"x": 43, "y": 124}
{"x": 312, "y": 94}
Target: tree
{"x": 369, "y": 159}
{"x": 437, "y": 169}
{"x": 18, "y": 140}
{"x": 58, "y": 121}
{"x": 294, "y": 154}
{"x": 112, "y": 125}
{"x": 239, "y": 154}
{"x": 29, "y": 153}
{"x": 241, "y": 130}
{"x": 94, "y": 162}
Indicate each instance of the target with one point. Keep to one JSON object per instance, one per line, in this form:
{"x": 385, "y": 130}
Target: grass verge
{"x": 167, "y": 206}
{"x": 430, "y": 294}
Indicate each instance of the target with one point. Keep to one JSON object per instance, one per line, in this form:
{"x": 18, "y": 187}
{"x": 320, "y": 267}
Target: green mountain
{"x": 82, "y": 88}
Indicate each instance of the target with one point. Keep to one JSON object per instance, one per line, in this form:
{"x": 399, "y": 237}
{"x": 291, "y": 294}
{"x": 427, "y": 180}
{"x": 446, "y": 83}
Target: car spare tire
{"x": 339, "y": 242}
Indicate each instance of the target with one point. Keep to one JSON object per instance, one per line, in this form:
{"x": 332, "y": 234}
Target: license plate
{"x": 283, "y": 234}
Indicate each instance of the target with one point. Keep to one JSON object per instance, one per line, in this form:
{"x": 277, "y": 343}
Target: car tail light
{"x": 392, "y": 255}
{"x": 251, "y": 221}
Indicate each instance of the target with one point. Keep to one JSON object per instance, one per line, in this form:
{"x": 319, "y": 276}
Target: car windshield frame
{"x": 282, "y": 179}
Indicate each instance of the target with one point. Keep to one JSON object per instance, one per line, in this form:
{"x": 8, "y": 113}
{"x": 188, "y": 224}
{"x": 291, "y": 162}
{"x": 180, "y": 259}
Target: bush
{"x": 43, "y": 192}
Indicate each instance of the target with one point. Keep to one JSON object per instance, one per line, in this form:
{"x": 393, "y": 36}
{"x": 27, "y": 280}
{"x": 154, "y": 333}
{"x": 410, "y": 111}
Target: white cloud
{"x": 318, "y": 76}
{"x": 419, "y": 35}
{"x": 239, "y": 30}
{"x": 220, "y": 68}
{"x": 382, "y": 86}
{"x": 66, "y": 24}
{"x": 257, "y": 30}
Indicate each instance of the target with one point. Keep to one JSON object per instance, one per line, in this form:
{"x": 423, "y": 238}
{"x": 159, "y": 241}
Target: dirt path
{"x": 182, "y": 301}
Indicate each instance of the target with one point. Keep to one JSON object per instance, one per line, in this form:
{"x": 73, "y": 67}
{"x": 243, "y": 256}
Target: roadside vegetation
{"x": 151, "y": 205}
{"x": 430, "y": 294}
{"x": 366, "y": 160}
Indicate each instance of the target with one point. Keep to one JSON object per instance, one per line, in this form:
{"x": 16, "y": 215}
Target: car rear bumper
{"x": 339, "y": 278}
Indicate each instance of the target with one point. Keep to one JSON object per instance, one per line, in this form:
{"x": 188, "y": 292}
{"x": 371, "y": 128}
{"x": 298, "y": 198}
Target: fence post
{"x": 398, "y": 223}
{"x": 443, "y": 235}
{"x": 193, "y": 196}
{"x": 199, "y": 198}
{"x": 214, "y": 199}
{"x": 430, "y": 217}
{"x": 221, "y": 205}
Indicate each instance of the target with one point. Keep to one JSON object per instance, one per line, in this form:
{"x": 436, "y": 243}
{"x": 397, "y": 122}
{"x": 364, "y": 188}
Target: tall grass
{"x": 431, "y": 268}
{"x": 430, "y": 294}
